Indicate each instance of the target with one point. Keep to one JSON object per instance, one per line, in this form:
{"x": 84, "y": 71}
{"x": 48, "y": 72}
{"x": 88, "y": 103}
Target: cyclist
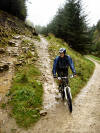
{"x": 61, "y": 64}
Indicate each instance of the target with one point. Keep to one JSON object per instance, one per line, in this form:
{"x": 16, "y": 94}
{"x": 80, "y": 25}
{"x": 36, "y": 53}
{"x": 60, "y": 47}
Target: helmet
{"x": 62, "y": 50}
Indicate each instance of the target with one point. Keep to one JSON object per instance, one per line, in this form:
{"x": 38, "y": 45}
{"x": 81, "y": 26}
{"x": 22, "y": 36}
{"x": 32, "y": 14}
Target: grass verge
{"x": 83, "y": 66}
{"x": 26, "y": 92}
{"x": 95, "y": 58}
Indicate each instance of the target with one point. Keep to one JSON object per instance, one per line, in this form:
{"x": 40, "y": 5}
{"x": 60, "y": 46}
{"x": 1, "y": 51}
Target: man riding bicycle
{"x": 61, "y": 64}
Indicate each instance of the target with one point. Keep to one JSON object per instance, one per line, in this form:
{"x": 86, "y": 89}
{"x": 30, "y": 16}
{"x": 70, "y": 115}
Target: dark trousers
{"x": 62, "y": 73}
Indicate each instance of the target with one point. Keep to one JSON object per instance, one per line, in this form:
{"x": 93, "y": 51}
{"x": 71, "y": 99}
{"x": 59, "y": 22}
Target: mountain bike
{"x": 65, "y": 91}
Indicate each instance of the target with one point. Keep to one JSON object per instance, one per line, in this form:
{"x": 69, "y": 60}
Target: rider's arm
{"x": 55, "y": 65}
{"x": 71, "y": 64}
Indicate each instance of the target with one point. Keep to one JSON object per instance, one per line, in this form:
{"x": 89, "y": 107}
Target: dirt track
{"x": 86, "y": 106}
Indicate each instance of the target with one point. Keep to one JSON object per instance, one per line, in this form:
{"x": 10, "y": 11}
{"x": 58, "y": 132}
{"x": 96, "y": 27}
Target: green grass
{"x": 26, "y": 96}
{"x": 84, "y": 67}
{"x": 94, "y": 57}
{"x": 26, "y": 93}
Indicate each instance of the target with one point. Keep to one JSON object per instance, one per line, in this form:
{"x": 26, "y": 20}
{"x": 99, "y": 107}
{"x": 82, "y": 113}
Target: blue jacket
{"x": 70, "y": 62}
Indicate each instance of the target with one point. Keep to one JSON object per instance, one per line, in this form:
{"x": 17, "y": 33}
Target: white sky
{"x": 40, "y": 12}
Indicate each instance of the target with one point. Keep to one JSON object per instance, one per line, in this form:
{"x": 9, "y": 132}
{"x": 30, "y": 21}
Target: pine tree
{"x": 77, "y": 31}
{"x": 70, "y": 25}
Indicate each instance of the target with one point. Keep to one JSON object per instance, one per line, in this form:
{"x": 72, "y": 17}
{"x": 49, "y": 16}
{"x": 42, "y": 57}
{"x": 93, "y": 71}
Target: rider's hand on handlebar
{"x": 75, "y": 75}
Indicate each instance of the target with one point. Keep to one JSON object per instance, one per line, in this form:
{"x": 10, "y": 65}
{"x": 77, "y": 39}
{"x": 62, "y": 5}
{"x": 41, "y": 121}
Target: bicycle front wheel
{"x": 68, "y": 98}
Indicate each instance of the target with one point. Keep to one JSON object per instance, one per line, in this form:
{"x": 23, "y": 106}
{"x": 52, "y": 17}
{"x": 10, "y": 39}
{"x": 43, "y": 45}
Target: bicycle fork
{"x": 69, "y": 90}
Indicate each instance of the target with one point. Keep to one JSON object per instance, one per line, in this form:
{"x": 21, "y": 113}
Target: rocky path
{"x": 49, "y": 85}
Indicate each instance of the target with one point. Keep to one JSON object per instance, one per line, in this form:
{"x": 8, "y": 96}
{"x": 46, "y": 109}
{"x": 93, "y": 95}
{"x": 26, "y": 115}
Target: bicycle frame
{"x": 65, "y": 85}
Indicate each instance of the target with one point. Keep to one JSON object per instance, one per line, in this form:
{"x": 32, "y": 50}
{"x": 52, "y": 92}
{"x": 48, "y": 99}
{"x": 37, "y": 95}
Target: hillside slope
{"x": 21, "y": 88}
{"x": 10, "y": 25}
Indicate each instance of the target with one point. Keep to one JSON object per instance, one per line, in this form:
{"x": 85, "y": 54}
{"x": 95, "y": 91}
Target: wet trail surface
{"x": 50, "y": 87}
{"x": 86, "y": 106}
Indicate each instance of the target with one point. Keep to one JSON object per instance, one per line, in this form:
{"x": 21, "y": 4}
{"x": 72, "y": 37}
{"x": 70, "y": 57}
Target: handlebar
{"x": 70, "y": 76}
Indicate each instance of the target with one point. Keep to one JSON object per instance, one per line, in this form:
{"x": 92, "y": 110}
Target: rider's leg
{"x": 59, "y": 81}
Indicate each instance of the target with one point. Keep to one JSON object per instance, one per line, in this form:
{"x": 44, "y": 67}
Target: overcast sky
{"x": 40, "y": 12}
